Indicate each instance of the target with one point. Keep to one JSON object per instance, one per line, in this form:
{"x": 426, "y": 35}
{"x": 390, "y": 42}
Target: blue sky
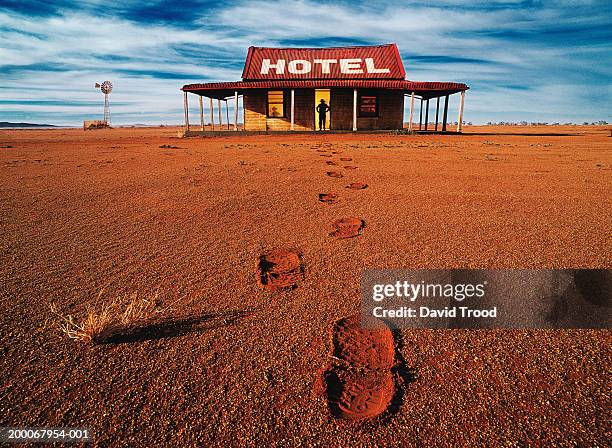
{"x": 524, "y": 60}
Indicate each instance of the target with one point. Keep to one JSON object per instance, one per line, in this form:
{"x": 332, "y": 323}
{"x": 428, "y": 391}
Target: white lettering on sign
{"x": 266, "y": 66}
{"x": 325, "y": 63}
{"x": 349, "y": 66}
{"x": 302, "y": 66}
{"x": 293, "y": 67}
{"x": 372, "y": 69}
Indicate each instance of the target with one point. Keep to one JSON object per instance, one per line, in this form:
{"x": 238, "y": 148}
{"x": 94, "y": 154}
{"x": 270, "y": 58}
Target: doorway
{"x": 322, "y": 94}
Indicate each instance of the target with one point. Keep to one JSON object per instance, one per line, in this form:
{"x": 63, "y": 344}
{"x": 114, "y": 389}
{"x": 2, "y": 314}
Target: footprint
{"x": 329, "y": 198}
{"x": 357, "y": 186}
{"x": 347, "y": 227}
{"x": 350, "y": 167}
{"x": 325, "y": 155}
{"x": 360, "y": 382}
{"x": 334, "y": 174}
{"x": 280, "y": 269}
{"x": 331, "y": 162}
{"x": 345, "y": 159}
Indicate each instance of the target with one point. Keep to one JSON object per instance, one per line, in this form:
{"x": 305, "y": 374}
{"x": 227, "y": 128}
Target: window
{"x": 276, "y": 103}
{"x": 368, "y": 106}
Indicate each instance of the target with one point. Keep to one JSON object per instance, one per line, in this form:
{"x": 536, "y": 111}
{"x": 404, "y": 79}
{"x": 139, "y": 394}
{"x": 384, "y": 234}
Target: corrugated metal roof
{"x": 425, "y": 89}
{"x": 361, "y": 62}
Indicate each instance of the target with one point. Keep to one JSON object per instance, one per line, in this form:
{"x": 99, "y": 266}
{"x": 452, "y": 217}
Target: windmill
{"x": 106, "y": 87}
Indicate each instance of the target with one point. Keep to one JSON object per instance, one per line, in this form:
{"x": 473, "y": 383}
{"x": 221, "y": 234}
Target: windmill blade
{"x": 106, "y": 87}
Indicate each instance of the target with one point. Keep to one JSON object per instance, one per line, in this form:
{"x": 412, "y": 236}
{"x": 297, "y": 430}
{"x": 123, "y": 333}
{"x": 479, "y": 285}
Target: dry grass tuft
{"x": 111, "y": 317}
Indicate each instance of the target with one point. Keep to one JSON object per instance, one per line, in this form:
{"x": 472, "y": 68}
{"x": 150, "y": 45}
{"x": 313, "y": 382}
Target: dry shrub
{"x": 110, "y": 317}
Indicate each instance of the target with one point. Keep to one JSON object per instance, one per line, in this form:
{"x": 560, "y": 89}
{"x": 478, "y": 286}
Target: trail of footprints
{"x": 359, "y": 383}
{"x": 347, "y": 227}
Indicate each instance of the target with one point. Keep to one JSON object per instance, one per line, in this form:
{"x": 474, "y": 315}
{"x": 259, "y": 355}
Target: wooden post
{"x": 445, "y": 114}
{"x": 421, "y": 114}
{"x": 212, "y": 115}
{"x": 354, "y": 110}
{"x": 186, "y": 107}
{"x": 201, "y": 115}
{"x": 411, "y": 110}
{"x": 460, "y": 120}
{"x": 437, "y": 109}
{"x": 227, "y": 114}
{"x": 219, "y": 112}
{"x": 292, "y": 109}
{"x": 426, "y": 113}
{"x": 236, "y": 110}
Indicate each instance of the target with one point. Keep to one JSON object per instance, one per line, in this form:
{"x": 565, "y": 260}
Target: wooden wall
{"x": 255, "y": 112}
{"x": 390, "y": 115}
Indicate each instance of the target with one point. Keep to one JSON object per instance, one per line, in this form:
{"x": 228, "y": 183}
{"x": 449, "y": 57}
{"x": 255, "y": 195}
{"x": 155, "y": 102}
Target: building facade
{"x": 363, "y": 87}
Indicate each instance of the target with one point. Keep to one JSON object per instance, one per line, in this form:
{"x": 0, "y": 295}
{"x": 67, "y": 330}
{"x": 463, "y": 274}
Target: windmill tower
{"x": 106, "y": 87}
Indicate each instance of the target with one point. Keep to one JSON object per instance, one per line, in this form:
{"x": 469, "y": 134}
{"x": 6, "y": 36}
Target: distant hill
{"x": 8, "y": 124}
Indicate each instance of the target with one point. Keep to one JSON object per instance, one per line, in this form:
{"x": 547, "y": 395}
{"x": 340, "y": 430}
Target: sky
{"x": 544, "y": 61}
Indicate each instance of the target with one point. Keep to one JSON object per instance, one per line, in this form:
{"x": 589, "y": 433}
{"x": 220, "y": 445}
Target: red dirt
{"x": 357, "y": 186}
{"x": 334, "y": 174}
{"x": 347, "y": 227}
{"x": 330, "y": 198}
{"x": 279, "y": 269}
{"x": 85, "y": 211}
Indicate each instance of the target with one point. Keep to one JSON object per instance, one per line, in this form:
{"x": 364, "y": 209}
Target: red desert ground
{"x": 251, "y": 249}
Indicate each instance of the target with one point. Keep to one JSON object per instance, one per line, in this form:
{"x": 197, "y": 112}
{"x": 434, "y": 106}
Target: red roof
{"x": 362, "y": 62}
{"x": 362, "y": 67}
{"x": 424, "y": 89}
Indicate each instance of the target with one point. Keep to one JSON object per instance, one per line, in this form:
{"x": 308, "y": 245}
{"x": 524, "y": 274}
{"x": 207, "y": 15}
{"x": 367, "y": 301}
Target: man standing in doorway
{"x": 322, "y": 109}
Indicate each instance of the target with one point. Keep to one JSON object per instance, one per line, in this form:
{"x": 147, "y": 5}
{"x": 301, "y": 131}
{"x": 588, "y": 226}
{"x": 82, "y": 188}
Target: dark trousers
{"x": 321, "y": 121}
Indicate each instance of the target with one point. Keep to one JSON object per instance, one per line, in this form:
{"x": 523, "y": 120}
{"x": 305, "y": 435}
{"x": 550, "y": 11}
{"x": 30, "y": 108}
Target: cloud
{"x": 548, "y": 60}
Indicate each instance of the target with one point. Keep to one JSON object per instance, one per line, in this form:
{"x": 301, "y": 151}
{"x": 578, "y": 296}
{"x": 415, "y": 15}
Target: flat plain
{"x": 141, "y": 210}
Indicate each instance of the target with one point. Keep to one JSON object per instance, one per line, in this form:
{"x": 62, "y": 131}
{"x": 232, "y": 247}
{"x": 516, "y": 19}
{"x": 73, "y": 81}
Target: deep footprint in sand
{"x": 345, "y": 159}
{"x": 331, "y": 162}
{"x": 280, "y": 269}
{"x": 347, "y": 227}
{"x": 328, "y": 198}
{"x": 357, "y": 186}
{"x": 360, "y": 383}
{"x": 350, "y": 167}
{"x": 334, "y": 174}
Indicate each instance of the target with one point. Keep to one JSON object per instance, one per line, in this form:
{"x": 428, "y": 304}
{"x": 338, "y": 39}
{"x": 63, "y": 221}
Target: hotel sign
{"x": 304, "y": 66}
{"x": 372, "y": 62}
